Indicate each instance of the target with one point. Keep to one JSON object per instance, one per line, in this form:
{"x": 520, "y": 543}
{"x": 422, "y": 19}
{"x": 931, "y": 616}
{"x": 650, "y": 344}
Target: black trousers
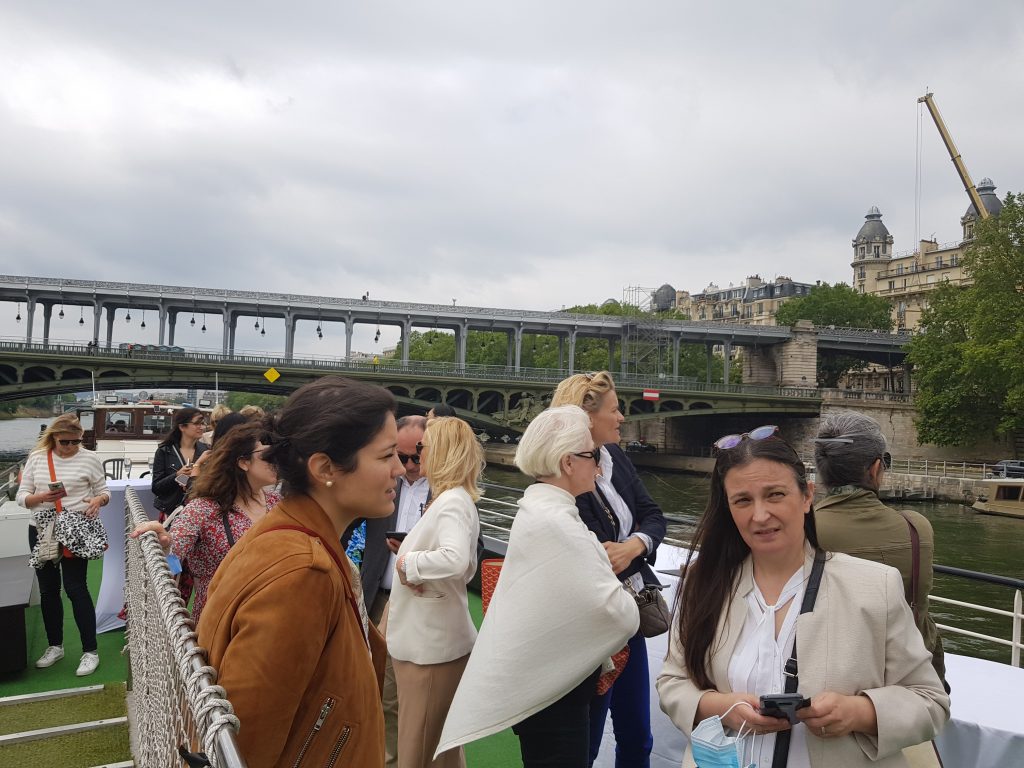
{"x": 74, "y": 571}
{"x": 559, "y": 735}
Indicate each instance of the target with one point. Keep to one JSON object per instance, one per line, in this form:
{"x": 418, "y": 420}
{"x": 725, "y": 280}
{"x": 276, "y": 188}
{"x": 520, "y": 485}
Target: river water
{"x": 963, "y": 539}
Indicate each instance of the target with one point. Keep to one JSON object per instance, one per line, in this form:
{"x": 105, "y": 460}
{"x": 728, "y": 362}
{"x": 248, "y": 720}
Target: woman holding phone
{"x": 176, "y": 459}
{"x": 60, "y": 472}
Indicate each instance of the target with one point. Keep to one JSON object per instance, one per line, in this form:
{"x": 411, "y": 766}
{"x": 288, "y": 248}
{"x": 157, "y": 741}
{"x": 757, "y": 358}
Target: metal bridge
{"x": 501, "y": 396}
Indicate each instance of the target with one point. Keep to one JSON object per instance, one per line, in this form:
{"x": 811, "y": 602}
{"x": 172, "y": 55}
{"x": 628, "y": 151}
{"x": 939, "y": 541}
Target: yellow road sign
{"x": 272, "y": 375}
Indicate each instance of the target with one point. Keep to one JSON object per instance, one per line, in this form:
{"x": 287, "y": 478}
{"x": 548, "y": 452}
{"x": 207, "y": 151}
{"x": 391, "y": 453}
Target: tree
{"x": 842, "y": 306}
{"x": 967, "y": 356}
{"x": 237, "y": 400}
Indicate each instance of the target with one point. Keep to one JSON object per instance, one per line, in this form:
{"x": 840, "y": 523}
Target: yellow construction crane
{"x": 958, "y": 161}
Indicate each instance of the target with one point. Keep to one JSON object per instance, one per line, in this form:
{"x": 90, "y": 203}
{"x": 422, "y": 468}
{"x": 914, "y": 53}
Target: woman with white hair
{"x": 557, "y": 614}
{"x": 850, "y": 458}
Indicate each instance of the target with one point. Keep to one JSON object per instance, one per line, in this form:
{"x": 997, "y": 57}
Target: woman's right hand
{"x": 720, "y": 703}
{"x": 43, "y": 497}
{"x": 161, "y": 533}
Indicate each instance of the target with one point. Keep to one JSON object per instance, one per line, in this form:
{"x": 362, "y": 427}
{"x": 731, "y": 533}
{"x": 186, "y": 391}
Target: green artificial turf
{"x": 81, "y": 708}
{"x": 78, "y": 750}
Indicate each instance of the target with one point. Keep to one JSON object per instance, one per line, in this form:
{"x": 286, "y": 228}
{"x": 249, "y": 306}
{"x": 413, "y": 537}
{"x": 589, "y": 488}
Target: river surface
{"x": 963, "y": 539}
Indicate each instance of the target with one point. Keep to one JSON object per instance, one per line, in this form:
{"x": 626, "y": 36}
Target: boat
{"x": 1004, "y": 496}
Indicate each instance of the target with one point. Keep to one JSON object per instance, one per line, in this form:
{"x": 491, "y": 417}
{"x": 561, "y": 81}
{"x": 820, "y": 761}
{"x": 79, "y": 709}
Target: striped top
{"x": 82, "y": 475}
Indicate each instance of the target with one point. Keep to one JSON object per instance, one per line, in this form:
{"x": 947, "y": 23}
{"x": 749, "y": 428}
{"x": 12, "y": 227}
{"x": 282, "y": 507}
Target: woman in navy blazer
{"x": 630, "y": 526}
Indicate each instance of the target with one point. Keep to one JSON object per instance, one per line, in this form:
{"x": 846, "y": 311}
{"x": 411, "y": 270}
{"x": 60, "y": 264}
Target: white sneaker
{"x": 50, "y": 656}
{"x": 88, "y": 664}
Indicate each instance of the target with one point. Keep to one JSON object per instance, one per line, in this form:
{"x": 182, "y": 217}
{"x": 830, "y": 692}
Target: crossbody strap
{"x": 915, "y": 562}
{"x": 227, "y": 528}
{"x": 780, "y": 757}
{"x": 53, "y": 479}
{"x": 337, "y": 562}
{"x": 613, "y": 519}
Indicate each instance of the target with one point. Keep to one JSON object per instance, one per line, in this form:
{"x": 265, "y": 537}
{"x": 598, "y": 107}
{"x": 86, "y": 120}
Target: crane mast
{"x": 958, "y": 161}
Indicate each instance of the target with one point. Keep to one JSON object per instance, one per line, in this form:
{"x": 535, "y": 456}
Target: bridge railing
{"x": 495, "y": 373}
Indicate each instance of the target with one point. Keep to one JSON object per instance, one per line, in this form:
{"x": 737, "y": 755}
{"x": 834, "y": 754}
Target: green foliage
{"x": 968, "y": 360}
{"x": 841, "y": 306}
{"x": 237, "y": 400}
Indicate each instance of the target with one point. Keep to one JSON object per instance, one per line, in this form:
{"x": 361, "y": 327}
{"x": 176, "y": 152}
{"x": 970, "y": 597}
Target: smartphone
{"x": 783, "y": 705}
{"x": 58, "y": 486}
{"x": 399, "y": 535}
{"x": 181, "y": 480}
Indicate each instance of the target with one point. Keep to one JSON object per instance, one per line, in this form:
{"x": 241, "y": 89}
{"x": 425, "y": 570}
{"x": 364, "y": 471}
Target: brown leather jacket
{"x": 282, "y": 628}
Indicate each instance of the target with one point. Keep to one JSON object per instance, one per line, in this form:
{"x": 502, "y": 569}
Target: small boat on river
{"x": 1005, "y": 498}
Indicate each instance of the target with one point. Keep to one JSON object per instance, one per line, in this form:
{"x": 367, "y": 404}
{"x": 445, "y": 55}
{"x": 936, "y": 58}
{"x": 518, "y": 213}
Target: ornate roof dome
{"x": 873, "y": 230}
{"x": 664, "y": 298}
{"x": 987, "y": 190}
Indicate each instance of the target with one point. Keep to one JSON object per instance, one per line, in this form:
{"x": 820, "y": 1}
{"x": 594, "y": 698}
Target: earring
{"x": 329, "y": 483}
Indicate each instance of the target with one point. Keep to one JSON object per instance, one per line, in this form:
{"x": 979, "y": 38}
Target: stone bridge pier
{"x": 793, "y": 363}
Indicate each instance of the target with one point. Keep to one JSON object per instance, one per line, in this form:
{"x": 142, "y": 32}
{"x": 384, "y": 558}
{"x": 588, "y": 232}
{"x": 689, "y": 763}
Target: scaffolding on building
{"x": 646, "y": 345}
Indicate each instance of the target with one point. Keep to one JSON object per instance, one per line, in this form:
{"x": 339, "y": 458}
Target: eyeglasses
{"x": 419, "y": 448}
{"x": 66, "y": 443}
{"x": 595, "y": 455}
{"x": 731, "y": 441}
{"x": 405, "y": 457}
{"x": 886, "y": 459}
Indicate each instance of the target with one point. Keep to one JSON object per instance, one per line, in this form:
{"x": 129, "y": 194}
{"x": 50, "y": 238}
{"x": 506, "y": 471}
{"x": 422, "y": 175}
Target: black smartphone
{"x": 783, "y": 705}
{"x": 399, "y": 535}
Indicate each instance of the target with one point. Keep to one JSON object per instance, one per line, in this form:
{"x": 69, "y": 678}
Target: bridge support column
{"x": 406, "y": 331}
{"x": 289, "y": 334}
{"x": 572, "y": 351}
{"x": 760, "y": 366}
{"x": 623, "y": 346}
{"x": 162, "y": 335}
{"x": 611, "y": 354}
{"x": 30, "y": 316}
{"x": 172, "y": 321}
{"x": 709, "y": 350}
{"x": 97, "y": 315}
{"x": 906, "y": 377}
{"x": 510, "y": 349}
{"x": 232, "y": 331}
{"x": 726, "y": 360}
{"x": 348, "y": 338}
{"x": 225, "y": 331}
{"x": 47, "y": 315}
{"x": 675, "y": 356}
{"x": 111, "y": 311}
{"x": 561, "y": 353}
{"x": 798, "y": 357}
{"x": 461, "y": 334}
{"x": 518, "y": 345}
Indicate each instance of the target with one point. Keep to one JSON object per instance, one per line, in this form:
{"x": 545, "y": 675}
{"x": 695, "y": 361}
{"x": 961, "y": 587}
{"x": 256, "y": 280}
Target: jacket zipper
{"x": 340, "y": 745}
{"x": 324, "y": 711}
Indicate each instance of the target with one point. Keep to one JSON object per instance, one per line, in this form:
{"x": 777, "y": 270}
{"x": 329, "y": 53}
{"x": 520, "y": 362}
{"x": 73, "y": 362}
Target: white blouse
{"x": 758, "y": 662}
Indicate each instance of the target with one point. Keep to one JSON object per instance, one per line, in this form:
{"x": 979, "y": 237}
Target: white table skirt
{"x": 986, "y": 727}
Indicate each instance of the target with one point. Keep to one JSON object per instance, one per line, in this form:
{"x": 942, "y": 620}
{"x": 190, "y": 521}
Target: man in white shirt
{"x": 378, "y": 566}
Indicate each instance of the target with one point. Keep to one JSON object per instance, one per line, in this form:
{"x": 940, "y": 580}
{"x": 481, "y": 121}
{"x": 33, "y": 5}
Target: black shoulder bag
{"x": 780, "y": 758}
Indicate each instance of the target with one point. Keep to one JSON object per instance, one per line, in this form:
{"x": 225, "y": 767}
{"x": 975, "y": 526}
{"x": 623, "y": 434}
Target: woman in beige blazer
{"x": 861, "y": 663}
{"x": 429, "y": 630}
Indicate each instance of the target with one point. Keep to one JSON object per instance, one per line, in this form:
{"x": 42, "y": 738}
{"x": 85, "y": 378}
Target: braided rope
{"x": 174, "y": 696}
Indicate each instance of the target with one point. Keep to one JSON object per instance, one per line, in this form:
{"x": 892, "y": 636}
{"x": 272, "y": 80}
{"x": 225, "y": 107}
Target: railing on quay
{"x": 955, "y": 469}
{"x": 496, "y": 373}
{"x": 173, "y": 696}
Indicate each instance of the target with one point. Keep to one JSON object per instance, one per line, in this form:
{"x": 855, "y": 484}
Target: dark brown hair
{"x": 220, "y": 478}
{"x": 332, "y": 415}
{"x": 711, "y": 578}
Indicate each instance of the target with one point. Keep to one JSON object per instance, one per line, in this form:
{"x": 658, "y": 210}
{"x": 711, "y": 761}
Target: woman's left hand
{"x": 400, "y": 567}
{"x": 832, "y": 714}
{"x": 623, "y": 553}
{"x": 94, "y": 506}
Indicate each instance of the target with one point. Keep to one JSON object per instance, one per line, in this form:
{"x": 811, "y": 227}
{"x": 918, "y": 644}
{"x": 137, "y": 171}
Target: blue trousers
{"x": 630, "y": 703}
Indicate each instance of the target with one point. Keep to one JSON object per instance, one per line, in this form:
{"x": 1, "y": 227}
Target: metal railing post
{"x": 1017, "y": 617}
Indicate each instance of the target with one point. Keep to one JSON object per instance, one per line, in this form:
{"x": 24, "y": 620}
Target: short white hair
{"x": 552, "y": 435}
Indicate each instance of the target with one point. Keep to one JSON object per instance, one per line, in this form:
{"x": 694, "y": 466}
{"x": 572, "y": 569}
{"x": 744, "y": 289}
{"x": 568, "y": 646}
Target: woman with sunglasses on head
{"x": 850, "y": 458}
{"x": 59, "y": 458}
{"x": 284, "y": 622}
{"x": 558, "y": 611}
{"x": 852, "y": 655}
{"x": 232, "y": 493}
{"x": 177, "y": 458}
{"x": 429, "y": 629}
{"x": 630, "y": 526}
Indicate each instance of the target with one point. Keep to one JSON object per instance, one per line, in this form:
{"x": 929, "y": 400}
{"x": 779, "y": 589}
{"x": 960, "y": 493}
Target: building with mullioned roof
{"x": 753, "y": 302}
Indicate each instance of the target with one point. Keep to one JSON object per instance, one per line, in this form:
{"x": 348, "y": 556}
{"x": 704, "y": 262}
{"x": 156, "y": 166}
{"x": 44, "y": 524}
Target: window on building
{"x": 970, "y": 231}
{"x": 878, "y": 251}
{"x": 938, "y": 262}
{"x": 862, "y": 251}
{"x": 954, "y": 260}
{"x": 861, "y": 273}
{"x": 899, "y": 269}
{"x": 862, "y": 287}
{"x": 760, "y": 307}
{"x": 892, "y": 285}
{"x": 904, "y": 283}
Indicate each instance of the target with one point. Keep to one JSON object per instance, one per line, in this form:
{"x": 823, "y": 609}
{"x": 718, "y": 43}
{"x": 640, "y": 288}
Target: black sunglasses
{"x": 404, "y": 457}
{"x": 66, "y": 443}
{"x": 886, "y": 459}
{"x": 731, "y": 441}
{"x": 595, "y": 455}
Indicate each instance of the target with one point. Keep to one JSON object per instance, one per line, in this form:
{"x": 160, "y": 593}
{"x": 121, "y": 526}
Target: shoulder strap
{"x": 915, "y": 562}
{"x": 53, "y": 478}
{"x": 337, "y": 562}
{"x": 227, "y": 527}
{"x": 780, "y": 758}
{"x": 613, "y": 519}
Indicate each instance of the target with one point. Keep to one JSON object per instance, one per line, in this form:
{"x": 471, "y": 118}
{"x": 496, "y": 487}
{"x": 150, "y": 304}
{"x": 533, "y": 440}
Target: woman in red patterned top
{"x": 228, "y": 496}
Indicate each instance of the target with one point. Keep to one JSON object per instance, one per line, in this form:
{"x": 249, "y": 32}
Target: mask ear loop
{"x": 730, "y": 709}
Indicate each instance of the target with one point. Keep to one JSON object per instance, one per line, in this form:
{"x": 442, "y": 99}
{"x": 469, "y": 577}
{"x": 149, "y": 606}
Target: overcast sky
{"x": 517, "y": 154}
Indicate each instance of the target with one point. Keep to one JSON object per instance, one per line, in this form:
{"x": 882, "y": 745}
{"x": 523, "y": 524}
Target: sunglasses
{"x": 595, "y": 455}
{"x": 66, "y": 443}
{"x": 886, "y": 459}
{"x": 760, "y": 433}
{"x": 404, "y": 457}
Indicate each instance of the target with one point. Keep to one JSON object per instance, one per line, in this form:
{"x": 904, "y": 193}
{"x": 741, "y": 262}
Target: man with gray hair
{"x": 850, "y": 460}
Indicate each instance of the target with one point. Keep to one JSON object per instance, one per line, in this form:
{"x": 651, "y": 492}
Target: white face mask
{"x": 713, "y": 748}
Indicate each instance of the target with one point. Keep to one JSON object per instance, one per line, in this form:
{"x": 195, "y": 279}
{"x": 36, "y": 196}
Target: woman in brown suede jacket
{"x": 284, "y": 621}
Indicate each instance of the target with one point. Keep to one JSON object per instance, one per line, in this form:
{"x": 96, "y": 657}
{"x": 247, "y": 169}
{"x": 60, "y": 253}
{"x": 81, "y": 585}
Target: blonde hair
{"x": 219, "y": 412}
{"x": 252, "y": 411}
{"x": 551, "y": 436}
{"x": 583, "y": 389}
{"x": 67, "y": 422}
{"x": 454, "y": 458}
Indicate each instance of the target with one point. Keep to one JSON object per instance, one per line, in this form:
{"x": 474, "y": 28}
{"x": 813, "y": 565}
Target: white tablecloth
{"x": 110, "y": 600}
{"x": 986, "y": 727}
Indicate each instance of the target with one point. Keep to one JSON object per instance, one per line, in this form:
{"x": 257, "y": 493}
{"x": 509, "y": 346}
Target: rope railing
{"x": 174, "y": 698}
